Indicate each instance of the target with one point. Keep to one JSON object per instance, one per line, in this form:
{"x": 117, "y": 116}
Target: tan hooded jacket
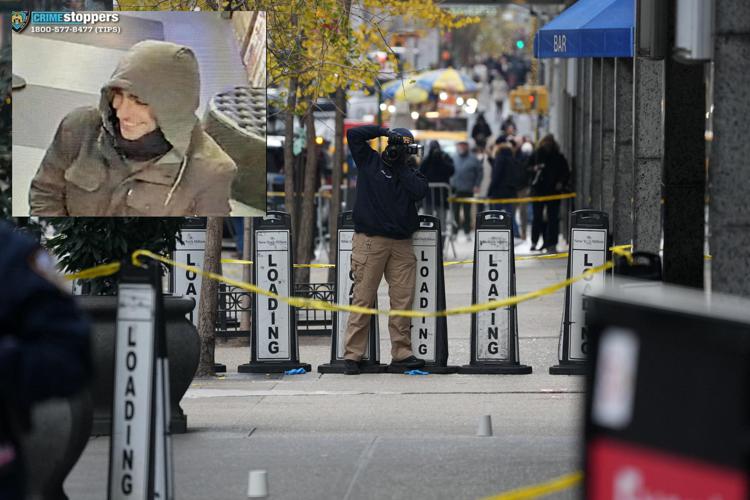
{"x": 82, "y": 174}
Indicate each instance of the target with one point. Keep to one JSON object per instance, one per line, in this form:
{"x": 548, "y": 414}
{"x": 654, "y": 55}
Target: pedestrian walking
{"x": 437, "y": 167}
{"x": 523, "y": 157}
{"x": 508, "y": 126}
{"x": 551, "y": 175}
{"x": 465, "y": 181}
{"x": 499, "y": 93}
{"x": 481, "y": 131}
{"x": 504, "y": 180}
{"x": 385, "y": 217}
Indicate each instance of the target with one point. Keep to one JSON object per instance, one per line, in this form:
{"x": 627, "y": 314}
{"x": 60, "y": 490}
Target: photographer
{"x": 385, "y": 217}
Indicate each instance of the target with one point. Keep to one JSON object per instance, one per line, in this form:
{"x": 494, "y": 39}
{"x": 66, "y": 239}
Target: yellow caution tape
{"x": 449, "y": 263}
{"x": 281, "y": 194}
{"x": 527, "y": 199}
{"x": 535, "y": 491}
{"x": 113, "y": 267}
{"x": 623, "y": 253}
{"x": 250, "y": 262}
{"x": 561, "y": 255}
{"x": 458, "y": 262}
{"x": 305, "y": 303}
{"x": 237, "y": 261}
{"x": 95, "y": 272}
{"x": 550, "y": 256}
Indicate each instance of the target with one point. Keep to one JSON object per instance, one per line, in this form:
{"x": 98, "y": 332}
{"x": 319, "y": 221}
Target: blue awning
{"x": 589, "y": 28}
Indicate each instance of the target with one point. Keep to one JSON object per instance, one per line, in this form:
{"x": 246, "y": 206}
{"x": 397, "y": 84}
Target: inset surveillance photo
{"x": 138, "y": 113}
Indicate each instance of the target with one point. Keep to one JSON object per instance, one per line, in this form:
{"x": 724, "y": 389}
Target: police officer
{"x": 385, "y": 217}
{"x": 44, "y": 346}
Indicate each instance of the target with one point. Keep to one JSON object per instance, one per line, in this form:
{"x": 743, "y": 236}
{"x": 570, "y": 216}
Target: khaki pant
{"x": 373, "y": 256}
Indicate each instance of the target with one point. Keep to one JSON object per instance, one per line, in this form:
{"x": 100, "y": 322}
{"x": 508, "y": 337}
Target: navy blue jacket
{"x": 386, "y": 197}
{"x": 44, "y": 345}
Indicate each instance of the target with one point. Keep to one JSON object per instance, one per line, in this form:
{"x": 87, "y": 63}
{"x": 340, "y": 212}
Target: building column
{"x": 579, "y": 143}
{"x": 648, "y": 153}
{"x": 730, "y": 150}
{"x": 587, "y": 140}
{"x": 608, "y": 129}
{"x": 596, "y": 134}
{"x": 622, "y": 155}
{"x": 684, "y": 167}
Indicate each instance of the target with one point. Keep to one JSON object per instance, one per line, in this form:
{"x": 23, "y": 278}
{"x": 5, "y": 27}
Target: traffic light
{"x": 530, "y": 99}
{"x": 520, "y": 44}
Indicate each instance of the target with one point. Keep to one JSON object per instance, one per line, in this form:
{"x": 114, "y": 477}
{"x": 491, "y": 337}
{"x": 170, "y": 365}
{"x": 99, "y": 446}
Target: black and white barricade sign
{"x": 190, "y": 253}
{"x": 494, "y": 333}
{"x": 370, "y": 362}
{"x": 140, "y": 460}
{"x": 429, "y": 336}
{"x": 273, "y": 347}
{"x": 588, "y": 248}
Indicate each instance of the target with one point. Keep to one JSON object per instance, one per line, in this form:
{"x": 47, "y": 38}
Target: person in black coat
{"x": 437, "y": 167}
{"x": 481, "y": 131}
{"x": 385, "y": 217}
{"x": 503, "y": 183}
{"x": 551, "y": 175}
{"x": 44, "y": 347}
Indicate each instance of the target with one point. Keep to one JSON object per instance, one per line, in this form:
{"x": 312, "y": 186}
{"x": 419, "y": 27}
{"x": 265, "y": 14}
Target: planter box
{"x": 183, "y": 346}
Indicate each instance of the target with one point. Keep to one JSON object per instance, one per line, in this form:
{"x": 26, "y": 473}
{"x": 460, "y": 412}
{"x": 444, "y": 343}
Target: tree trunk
{"x": 307, "y": 214}
{"x": 291, "y": 103}
{"x": 207, "y": 306}
{"x": 338, "y": 162}
{"x": 247, "y": 252}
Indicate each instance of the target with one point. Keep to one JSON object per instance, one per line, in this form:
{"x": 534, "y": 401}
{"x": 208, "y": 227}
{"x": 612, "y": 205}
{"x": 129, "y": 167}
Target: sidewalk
{"x": 380, "y": 436}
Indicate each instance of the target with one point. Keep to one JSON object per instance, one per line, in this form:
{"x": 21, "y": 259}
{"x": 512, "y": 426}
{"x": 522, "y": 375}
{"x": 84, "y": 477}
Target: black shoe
{"x": 351, "y": 367}
{"x": 409, "y": 363}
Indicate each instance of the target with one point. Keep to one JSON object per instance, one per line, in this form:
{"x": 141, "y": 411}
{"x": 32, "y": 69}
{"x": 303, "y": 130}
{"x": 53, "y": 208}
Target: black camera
{"x": 401, "y": 145}
{"x": 415, "y": 149}
{"x": 393, "y": 152}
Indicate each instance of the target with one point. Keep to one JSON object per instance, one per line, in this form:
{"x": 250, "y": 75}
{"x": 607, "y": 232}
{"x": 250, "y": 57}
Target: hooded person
{"x": 142, "y": 151}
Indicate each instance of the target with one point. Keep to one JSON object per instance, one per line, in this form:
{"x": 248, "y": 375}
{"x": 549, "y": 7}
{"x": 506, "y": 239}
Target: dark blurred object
{"x": 668, "y": 392}
{"x": 5, "y": 124}
{"x": 44, "y": 347}
{"x": 645, "y": 266}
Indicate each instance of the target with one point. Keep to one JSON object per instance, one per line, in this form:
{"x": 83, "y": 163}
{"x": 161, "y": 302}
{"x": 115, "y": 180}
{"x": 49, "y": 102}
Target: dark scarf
{"x": 147, "y": 147}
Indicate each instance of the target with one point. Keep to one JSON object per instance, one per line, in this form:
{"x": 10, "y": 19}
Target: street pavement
{"x": 380, "y": 436}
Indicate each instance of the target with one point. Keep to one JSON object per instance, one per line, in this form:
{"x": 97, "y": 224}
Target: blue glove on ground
{"x": 416, "y": 372}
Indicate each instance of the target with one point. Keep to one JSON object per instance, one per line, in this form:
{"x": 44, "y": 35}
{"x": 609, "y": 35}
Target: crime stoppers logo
{"x": 19, "y": 19}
